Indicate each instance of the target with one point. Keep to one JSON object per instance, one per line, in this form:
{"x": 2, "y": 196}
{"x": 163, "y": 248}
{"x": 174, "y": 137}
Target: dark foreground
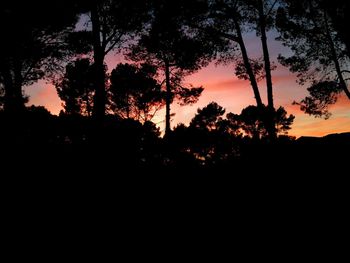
{"x": 305, "y": 157}
{"x": 73, "y": 149}
{"x": 306, "y": 175}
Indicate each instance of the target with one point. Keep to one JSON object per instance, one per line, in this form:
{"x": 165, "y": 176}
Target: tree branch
{"x": 272, "y": 7}
{"x": 24, "y": 78}
{"x": 104, "y": 34}
{"x": 155, "y": 112}
{"x": 162, "y": 83}
{"x": 111, "y": 36}
{"x": 218, "y": 32}
{"x": 115, "y": 42}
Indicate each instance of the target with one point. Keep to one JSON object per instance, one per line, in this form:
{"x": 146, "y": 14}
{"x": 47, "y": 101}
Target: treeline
{"x": 210, "y": 140}
{"x": 67, "y": 42}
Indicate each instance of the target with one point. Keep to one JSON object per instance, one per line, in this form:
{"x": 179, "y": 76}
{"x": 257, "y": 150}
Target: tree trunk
{"x": 13, "y": 101}
{"x": 337, "y": 12}
{"x": 271, "y": 126}
{"x": 9, "y": 90}
{"x": 248, "y": 66}
{"x": 267, "y": 63}
{"x": 127, "y": 105}
{"x": 99, "y": 77}
{"x": 335, "y": 58}
{"x": 168, "y": 99}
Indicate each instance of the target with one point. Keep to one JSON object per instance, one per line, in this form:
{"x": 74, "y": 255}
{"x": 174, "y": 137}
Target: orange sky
{"x": 224, "y": 88}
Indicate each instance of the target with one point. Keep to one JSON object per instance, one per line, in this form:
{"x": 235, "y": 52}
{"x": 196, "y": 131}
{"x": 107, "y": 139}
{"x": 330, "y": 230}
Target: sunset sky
{"x": 223, "y": 87}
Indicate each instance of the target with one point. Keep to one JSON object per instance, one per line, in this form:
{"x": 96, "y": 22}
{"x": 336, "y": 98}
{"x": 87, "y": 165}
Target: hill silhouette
{"x": 336, "y": 138}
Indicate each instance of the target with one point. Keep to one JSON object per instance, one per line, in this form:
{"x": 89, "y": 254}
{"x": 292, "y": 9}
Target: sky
{"x": 221, "y": 85}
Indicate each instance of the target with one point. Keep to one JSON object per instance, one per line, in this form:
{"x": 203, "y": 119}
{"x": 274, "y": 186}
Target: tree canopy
{"x": 175, "y": 51}
{"x": 319, "y": 55}
{"x": 34, "y": 44}
{"x": 76, "y": 88}
{"x": 135, "y": 92}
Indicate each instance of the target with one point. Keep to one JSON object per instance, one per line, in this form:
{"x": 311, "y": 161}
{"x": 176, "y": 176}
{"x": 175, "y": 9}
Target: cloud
{"x": 233, "y": 84}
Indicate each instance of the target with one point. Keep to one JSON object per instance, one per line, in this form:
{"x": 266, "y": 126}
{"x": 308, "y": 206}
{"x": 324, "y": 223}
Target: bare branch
{"x": 219, "y": 33}
{"x": 271, "y": 8}
{"x": 115, "y": 42}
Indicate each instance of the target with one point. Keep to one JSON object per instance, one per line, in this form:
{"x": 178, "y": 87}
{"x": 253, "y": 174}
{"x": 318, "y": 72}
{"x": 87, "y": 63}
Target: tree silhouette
{"x": 322, "y": 95}
{"x": 208, "y": 117}
{"x": 34, "y": 45}
{"x": 106, "y": 118}
{"x": 226, "y": 20}
{"x": 205, "y": 139}
{"x": 113, "y": 24}
{"x": 229, "y": 20}
{"x": 76, "y": 88}
{"x": 174, "y": 51}
{"x": 252, "y": 121}
{"x": 262, "y": 18}
{"x": 338, "y": 11}
{"x": 135, "y": 92}
{"x": 319, "y": 57}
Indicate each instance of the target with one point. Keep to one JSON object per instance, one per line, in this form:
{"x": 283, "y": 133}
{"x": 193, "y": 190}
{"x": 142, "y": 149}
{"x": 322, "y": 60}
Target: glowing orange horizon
{"x": 233, "y": 94}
